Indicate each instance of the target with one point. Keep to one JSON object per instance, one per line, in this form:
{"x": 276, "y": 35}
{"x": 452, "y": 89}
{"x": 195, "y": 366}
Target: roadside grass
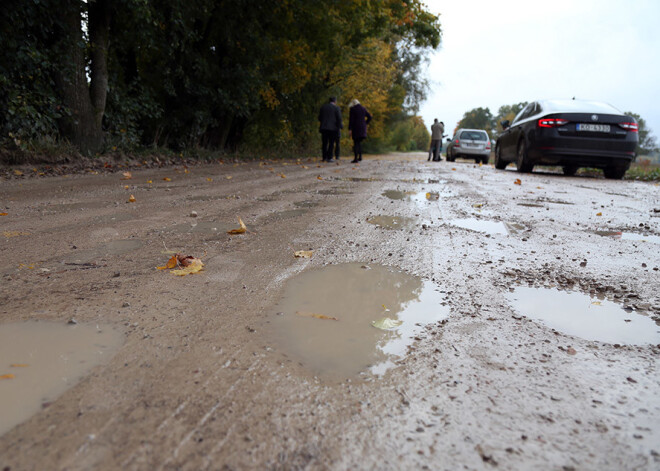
{"x": 643, "y": 170}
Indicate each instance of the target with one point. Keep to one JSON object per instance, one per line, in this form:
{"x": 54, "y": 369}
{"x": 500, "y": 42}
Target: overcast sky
{"x": 503, "y": 52}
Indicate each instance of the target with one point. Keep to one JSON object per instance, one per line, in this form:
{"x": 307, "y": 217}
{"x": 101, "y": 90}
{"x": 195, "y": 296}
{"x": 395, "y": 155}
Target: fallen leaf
{"x": 240, "y": 230}
{"x": 478, "y": 205}
{"x": 282, "y": 175}
{"x": 195, "y": 265}
{"x": 517, "y": 182}
{"x": 131, "y": 199}
{"x": 167, "y": 179}
{"x": 431, "y": 196}
{"x": 229, "y": 177}
{"x": 209, "y": 179}
{"x": 597, "y": 303}
{"x": 316, "y": 316}
{"x": 126, "y": 176}
{"x": 599, "y": 214}
{"x": 303, "y": 254}
{"x": 453, "y": 169}
{"x": 7, "y": 376}
{"x": 18, "y": 173}
{"x": 19, "y": 365}
{"x": 319, "y": 177}
{"x": 386, "y": 323}
{"x": 9, "y": 234}
{"x": 305, "y": 167}
{"x": 4, "y": 214}
{"x": 149, "y": 181}
{"x": 171, "y": 263}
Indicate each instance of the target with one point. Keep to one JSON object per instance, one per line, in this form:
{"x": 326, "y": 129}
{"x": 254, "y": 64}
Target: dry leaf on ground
{"x": 517, "y": 182}
{"x": 303, "y": 253}
{"x": 126, "y": 176}
{"x": 315, "y": 315}
{"x": 240, "y": 230}
{"x": 4, "y": 214}
{"x": 167, "y": 179}
{"x": 7, "y": 376}
{"x": 131, "y": 199}
{"x": 184, "y": 264}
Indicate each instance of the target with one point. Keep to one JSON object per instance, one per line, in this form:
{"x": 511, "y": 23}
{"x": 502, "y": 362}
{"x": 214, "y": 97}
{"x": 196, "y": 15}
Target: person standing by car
{"x": 437, "y": 130}
{"x": 330, "y": 128}
{"x": 358, "y": 118}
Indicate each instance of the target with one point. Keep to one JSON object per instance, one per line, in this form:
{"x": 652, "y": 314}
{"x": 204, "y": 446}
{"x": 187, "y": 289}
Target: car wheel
{"x": 615, "y": 172}
{"x": 499, "y": 163}
{"x": 484, "y": 160}
{"x": 522, "y": 161}
{"x": 570, "y": 170}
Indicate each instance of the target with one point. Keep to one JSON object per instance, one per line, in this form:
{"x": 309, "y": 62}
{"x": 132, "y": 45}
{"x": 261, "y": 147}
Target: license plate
{"x": 593, "y": 127}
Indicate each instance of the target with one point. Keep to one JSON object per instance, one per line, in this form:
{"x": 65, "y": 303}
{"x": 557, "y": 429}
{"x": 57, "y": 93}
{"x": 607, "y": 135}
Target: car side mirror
{"x": 449, "y": 139}
{"x": 505, "y": 124}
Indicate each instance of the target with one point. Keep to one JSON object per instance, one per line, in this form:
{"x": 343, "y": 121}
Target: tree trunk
{"x": 85, "y": 100}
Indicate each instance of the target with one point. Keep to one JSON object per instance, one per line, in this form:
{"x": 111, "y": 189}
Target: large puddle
{"x": 582, "y": 316}
{"x": 630, "y": 236}
{"x": 488, "y": 227}
{"x": 416, "y": 196}
{"x": 324, "y": 319}
{"x": 392, "y": 222}
{"x": 41, "y": 360}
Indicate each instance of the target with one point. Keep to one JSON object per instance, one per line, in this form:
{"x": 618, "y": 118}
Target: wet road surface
{"x": 230, "y": 368}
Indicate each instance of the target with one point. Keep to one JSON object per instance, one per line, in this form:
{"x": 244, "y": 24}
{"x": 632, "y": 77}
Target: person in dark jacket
{"x": 330, "y": 126}
{"x": 358, "y": 118}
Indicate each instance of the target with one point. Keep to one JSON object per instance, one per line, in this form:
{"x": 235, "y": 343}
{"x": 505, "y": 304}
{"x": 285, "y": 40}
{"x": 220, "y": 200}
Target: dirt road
{"x": 203, "y": 380}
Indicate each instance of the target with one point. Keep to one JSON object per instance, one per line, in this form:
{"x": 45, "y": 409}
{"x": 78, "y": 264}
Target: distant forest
{"x": 104, "y": 76}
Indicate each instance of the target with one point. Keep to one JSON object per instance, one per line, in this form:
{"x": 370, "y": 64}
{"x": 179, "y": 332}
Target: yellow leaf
{"x": 319, "y": 177}
{"x": 131, "y": 199}
{"x": 305, "y": 167}
{"x": 185, "y": 170}
{"x": 126, "y": 176}
{"x": 315, "y": 315}
{"x": 517, "y": 182}
{"x": 599, "y": 214}
{"x": 597, "y": 303}
{"x": 303, "y": 254}
{"x": 240, "y": 230}
{"x": 167, "y": 179}
{"x": 19, "y": 365}
{"x": 282, "y": 175}
{"x": 8, "y": 376}
{"x": 18, "y": 173}
{"x": 126, "y": 187}
{"x": 9, "y": 234}
{"x": 171, "y": 263}
{"x": 209, "y": 179}
{"x": 4, "y": 214}
{"x": 195, "y": 266}
{"x": 229, "y": 177}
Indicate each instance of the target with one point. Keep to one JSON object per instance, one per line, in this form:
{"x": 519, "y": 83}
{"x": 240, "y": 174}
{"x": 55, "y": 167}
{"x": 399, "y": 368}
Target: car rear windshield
{"x": 474, "y": 135}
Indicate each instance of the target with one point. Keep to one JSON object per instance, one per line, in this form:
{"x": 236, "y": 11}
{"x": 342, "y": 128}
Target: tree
{"x": 508, "y": 112}
{"x": 647, "y": 142}
{"x": 478, "y": 118}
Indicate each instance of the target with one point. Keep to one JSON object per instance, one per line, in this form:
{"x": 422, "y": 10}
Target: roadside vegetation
{"x": 102, "y": 78}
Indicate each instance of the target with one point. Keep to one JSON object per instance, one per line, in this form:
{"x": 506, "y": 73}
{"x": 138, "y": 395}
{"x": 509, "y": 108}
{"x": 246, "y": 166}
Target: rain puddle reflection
{"x": 41, "y": 360}
{"x": 326, "y": 315}
{"x": 582, "y": 316}
{"x": 420, "y": 198}
{"x": 630, "y": 236}
{"x": 392, "y": 222}
{"x": 488, "y": 227}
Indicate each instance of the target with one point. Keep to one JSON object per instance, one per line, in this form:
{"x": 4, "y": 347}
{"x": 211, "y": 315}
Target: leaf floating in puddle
{"x": 386, "y": 323}
{"x": 315, "y": 315}
{"x": 596, "y": 303}
{"x": 240, "y": 230}
{"x": 303, "y": 254}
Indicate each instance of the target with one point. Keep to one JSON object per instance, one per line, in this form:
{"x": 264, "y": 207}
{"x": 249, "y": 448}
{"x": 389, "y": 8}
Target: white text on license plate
{"x": 593, "y": 127}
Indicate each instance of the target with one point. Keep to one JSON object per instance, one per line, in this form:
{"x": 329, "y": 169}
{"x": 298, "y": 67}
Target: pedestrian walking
{"x": 437, "y": 130}
{"x": 330, "y": 128}
{"x": 358, "y": 119}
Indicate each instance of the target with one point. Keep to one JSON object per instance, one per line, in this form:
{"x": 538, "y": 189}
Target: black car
{"x": 571, "y": 134}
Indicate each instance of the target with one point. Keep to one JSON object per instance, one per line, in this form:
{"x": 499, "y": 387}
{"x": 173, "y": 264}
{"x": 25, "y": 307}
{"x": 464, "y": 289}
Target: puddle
{"x": 48, "y": 359}
{"x": 204, "y": 227}
{"x": 488, "y": 227}
{"x": 630, "y": 236}
{"x": 582, "y": 316}
{"x": 392, "y": 222}
{"x": 356, "y": 295}
{"x": 398, "y": 194}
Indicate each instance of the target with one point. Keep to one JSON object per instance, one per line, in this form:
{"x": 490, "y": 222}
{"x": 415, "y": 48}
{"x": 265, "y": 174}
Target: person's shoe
{"x": 360, "y": 159}
{"x": 354, "y": 161}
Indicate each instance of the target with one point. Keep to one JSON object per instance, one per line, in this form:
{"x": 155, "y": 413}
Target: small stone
{"x": 126, "y": 304}
{"x": 193, "y": 214}
{"x": 72, "y": 321}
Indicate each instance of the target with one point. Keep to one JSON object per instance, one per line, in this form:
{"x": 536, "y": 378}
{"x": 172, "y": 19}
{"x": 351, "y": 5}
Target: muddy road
{"x": 533, "y": 343}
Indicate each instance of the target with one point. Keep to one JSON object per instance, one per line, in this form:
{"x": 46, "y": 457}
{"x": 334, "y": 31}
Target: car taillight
{"x": 487, "y": 145}
{"x": 457, "y": 143}
{"x": 632, "y": 127}
{"x": 551, "y": 122}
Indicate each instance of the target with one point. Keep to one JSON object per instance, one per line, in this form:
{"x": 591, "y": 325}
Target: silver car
{"x": 470, "y": 144}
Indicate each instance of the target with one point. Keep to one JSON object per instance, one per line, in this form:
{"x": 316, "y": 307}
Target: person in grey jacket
{"x": 330, "y": 127}
{"x": 437, "y": 130}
